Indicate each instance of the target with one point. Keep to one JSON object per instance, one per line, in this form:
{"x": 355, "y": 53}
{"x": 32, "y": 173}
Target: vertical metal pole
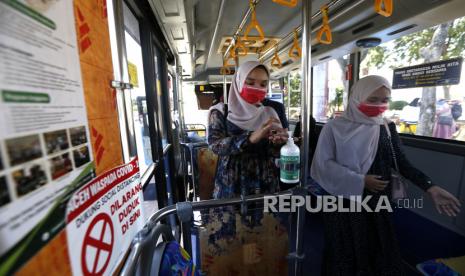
{"x": 225, "y": 90}
{"x": 180, "y": 99}
{"x": 289, "y": 96}
{"x": 306, "y": 88}
{"x": 306, "y": 106}
{"x": 236, "y": 60}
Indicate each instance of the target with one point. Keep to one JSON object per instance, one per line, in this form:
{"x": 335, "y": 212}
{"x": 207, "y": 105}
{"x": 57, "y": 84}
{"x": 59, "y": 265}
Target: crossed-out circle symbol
{"x": 99, "y": 243}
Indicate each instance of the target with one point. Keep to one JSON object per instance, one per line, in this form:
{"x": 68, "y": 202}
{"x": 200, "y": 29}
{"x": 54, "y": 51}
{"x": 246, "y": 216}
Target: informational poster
{"x": 445, "y": 72}
{"x": 45, "y": 151}
{"x": 102, "y": 219}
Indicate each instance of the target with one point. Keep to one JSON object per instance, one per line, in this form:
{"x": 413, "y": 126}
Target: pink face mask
{"x": 372, "y": 110}
{"x": 252, "y": 94}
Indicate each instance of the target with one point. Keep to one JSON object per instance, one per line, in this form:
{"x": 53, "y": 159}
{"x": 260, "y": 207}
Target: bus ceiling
{"x": 199, "y": 32}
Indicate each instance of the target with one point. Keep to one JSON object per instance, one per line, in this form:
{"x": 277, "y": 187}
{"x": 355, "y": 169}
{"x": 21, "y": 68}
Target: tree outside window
{"x": 420, "y": 111}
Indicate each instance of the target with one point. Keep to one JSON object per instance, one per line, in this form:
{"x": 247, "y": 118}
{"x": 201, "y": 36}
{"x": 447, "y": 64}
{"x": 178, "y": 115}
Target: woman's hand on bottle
{"x": 373, "y": 183}
{"x": 265, "y": 131}
{"x": 444, "y": 201}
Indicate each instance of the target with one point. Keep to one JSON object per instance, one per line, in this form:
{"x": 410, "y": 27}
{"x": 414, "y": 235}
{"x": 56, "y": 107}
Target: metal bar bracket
{"x": 121, "y": 85}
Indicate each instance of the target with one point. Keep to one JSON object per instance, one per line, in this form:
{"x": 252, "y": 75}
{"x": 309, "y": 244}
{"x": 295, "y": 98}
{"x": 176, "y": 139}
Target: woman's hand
{"x": 264, "y": 131}
{"x": 374, "y": 184}
{"x": 444, "y": 201}
{"x": 278, "y": 137}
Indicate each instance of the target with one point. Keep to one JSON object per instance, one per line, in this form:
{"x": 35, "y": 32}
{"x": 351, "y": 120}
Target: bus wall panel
{"x": 460, "y": 219}
{"x": 100, "y": 97}
{"x": 97, "y": 71}
{"x": 445, "y": 170}
{"x": 93, "y": 35}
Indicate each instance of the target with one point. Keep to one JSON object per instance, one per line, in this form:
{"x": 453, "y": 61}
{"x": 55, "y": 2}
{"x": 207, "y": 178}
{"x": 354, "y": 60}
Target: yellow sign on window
{"x": 158, "y": 87}
{"x": 132, "y": 68}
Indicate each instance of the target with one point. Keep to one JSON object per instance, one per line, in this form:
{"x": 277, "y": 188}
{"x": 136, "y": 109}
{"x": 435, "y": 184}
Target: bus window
{"x": 423, "y": 62}
{"x": 163, "y": 111}
{"x": 330, "y": 88}
{"x": 138, "y": 96}
{"x": 198, "y": 118}
{"x": 293, "y": 85}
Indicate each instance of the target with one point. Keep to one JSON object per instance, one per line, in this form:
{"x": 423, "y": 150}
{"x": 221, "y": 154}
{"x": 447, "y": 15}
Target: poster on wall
{"x": 102, "y": 218}
{"x": 45, "y": 153}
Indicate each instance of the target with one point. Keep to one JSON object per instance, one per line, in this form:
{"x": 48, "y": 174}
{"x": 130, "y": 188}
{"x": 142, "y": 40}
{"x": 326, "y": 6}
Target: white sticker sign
{"x": 102, "y": 219}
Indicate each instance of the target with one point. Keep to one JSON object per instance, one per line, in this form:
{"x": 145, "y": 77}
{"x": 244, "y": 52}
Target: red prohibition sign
{"x": 94, "y": 266}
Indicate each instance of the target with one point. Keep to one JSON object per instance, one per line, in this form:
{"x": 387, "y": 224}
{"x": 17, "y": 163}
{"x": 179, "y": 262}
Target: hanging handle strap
{"x": 254, "y": 24}
{"x": 276, "y": 61}
{"x": 240, "y": 47}
{"x": 226, "y": 69}
{"x": 295, "y": 51}
{"x": 325, "y": 30}
{"x": 287, "y": 3}
{"x": 384, "y": 7}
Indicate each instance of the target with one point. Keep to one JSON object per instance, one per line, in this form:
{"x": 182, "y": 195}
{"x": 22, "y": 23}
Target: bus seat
{"x": 206, "y": 165}
{"x": 163, "y": 255}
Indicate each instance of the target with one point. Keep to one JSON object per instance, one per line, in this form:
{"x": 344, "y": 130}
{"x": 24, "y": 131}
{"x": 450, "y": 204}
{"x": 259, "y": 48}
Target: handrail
{"x": 254, "y": 24}
{"x": 287, "y": 39}
{"x": 239, "y": 28}
{"x": 145, "y": 178}
{"x": 135, "y": 249}
{"x": 215, "y": 33}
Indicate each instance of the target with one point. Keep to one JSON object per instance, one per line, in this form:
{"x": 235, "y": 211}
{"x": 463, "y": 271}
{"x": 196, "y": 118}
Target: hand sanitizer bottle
{"x": 290, "y": 162}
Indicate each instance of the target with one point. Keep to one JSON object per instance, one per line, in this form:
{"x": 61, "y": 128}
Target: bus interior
{"x": 171, "y": 60}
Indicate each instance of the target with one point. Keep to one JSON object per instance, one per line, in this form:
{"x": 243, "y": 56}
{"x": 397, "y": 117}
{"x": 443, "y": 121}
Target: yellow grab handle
{"x": 388, "y": 7}
{"x": 242, "y": 50}
{"x": 276, "y": 61}
{"x": 254, "y": 24}
{"x": 225, "y": 70}
{"x": 287, "y": 3}
{"x": 295, "y": 51}
{"x": 325, "y": 29}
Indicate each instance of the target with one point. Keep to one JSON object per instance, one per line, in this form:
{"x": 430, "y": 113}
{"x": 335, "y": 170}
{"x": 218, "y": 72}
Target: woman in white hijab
{"x": 354, "y": 158}
{"x": 244, "y": 139}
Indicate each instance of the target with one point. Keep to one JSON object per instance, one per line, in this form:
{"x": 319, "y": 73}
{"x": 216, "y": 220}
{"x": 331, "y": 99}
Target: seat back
{"x": 206, "y": 167}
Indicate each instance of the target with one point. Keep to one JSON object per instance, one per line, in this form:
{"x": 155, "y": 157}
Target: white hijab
{"x": 241, "y": 113}
{"x": 347, "y": 145}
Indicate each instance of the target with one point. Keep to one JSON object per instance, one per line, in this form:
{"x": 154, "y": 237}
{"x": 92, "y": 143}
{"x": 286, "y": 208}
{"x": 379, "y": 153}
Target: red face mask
{"x": 372, "y": 110}
{"x": 252, "y": 94}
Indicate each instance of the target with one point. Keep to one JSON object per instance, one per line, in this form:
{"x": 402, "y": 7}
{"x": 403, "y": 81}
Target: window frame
{"x": 451, "y": 146}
